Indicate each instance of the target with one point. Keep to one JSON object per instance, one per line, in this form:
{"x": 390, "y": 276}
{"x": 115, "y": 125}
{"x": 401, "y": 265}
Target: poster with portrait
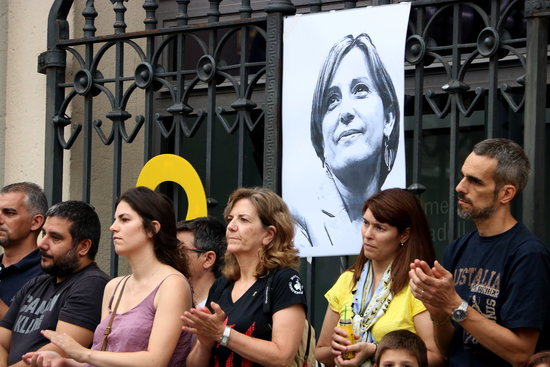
{"x": 343, "y": 139}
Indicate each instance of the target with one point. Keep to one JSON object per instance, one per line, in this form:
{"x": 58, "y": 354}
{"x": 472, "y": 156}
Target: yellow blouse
{"x": 399, "y": 315}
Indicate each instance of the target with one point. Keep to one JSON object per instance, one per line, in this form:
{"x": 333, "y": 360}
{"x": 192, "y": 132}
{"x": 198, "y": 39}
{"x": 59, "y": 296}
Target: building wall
{"x": 22, "y": 105}
{"x": 23, "y": 36}
{"x": 3, "y": 60}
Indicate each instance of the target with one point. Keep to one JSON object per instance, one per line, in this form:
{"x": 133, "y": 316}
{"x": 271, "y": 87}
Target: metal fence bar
{"x": 52, "y": 63}
{"x": 445, "y": 60}
{"x": 535, "y": 119}
{"x": 150, "y": 22}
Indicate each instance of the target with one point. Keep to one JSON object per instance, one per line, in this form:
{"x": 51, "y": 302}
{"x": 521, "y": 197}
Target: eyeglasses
{"x": 196, "y": 250}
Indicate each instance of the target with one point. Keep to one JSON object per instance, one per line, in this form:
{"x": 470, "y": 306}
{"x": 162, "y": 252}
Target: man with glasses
{"x": 203, "y": 240}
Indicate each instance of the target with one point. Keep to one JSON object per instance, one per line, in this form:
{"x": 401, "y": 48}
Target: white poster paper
{"x": 343, "y": 139}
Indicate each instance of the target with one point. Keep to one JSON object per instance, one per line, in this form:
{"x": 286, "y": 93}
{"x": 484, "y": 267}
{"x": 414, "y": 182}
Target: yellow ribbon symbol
{"x": 170, "y": 167}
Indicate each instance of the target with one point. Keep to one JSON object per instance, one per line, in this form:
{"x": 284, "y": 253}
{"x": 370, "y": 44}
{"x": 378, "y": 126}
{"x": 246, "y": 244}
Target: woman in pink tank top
{"x": 145, "y": 329}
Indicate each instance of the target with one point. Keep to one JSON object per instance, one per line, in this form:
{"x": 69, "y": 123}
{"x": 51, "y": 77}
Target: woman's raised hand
{"x": 206, "y": 325}
{"x": 70, "y": 346}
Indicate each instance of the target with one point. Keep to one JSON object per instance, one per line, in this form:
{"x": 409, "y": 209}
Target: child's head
{"x": 541, "y": 359}
{"x": 401, "y": 348}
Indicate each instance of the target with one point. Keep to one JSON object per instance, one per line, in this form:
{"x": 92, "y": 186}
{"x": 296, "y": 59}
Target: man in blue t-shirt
{"x": 488, "y": 301}
{"x": 22, "y": 209}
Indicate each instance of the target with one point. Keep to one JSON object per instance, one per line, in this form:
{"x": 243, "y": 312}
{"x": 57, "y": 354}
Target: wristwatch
{"x": 459, "y": 313}
{"x": 224, "y": 340}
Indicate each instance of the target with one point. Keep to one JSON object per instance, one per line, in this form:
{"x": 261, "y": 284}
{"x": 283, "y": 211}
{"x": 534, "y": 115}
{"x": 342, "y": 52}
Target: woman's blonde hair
{"x": 272, "y": 211}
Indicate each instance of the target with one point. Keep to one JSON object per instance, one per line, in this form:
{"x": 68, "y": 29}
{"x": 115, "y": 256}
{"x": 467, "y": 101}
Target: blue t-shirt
{"x": 506, "y": 278}
{"x": 13, "y": 277}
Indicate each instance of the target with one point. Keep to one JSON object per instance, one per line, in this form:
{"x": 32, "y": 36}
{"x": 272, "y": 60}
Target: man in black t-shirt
{"x": 66, "y": 299}
{"x": 488, "y": 301}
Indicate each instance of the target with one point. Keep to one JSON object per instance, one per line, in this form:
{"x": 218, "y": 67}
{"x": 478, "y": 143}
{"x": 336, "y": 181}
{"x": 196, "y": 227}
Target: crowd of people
{"x": 205, "y": 293}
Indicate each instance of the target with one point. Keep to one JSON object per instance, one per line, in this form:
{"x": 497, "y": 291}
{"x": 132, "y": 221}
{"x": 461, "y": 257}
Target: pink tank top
{"x": 131, "y": 330}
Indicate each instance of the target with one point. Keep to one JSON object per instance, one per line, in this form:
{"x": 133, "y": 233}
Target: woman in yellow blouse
{"x": 375, "y": 292}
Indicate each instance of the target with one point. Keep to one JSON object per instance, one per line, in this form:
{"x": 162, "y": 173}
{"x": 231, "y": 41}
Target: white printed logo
{"x": 295, "y": 285}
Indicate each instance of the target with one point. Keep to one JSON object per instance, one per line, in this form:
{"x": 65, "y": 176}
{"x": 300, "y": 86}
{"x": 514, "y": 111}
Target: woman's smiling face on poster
{"x": 353, "y": 123}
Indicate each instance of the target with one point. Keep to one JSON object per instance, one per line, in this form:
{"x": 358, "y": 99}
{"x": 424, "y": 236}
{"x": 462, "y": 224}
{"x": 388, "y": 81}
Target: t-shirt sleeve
{"x": 340, "y": 291}
{"x": 287, "y": 290}
{"x": 526, "y": 301}
{"x": 83, "y": 306}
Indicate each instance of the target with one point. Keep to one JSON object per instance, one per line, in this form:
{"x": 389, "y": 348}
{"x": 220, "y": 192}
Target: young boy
{"x": 401, "y": 348}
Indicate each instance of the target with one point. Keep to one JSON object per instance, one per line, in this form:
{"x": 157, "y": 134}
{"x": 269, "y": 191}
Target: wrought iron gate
{"x": 209, "y": 86}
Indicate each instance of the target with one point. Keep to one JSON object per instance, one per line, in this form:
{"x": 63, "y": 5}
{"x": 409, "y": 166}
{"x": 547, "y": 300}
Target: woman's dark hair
{"x": 153, "y": 206}
{"x": 401, "y": 209}
{"x": 272, "y": 211}
{"x": 383, "y": 84}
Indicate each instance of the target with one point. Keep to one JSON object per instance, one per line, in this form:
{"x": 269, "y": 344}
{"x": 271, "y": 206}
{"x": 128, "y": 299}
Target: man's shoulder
{"x": 93, "y": 270}
{"x": 31, "y": 259}
{"x": 15, "y": 276}
{"x": 89, "y": 273}
{"x": 516, "y": 242}
{"x": 40, "y": 279}
{"x": 520, "y": 240}
{"x": 523, "y": 233}
{"x": 29, "y": 262}
{"x": 517, "y": 235}
{"x": 38, "y": 282}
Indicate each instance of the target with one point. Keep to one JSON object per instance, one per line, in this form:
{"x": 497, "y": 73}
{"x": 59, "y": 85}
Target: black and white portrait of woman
{"x": 355, "y": 131}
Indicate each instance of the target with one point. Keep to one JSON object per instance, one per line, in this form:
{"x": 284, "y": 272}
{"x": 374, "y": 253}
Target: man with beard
{"x": 66, "y": 299}
{"x": 488, "y": 302}
{"x": 22, "y": 209}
